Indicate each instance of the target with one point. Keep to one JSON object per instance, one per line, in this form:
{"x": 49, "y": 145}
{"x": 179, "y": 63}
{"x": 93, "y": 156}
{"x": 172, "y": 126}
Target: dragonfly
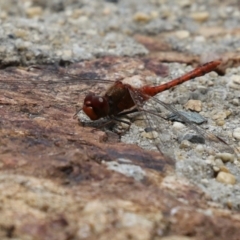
{"x": 122, "y": 98}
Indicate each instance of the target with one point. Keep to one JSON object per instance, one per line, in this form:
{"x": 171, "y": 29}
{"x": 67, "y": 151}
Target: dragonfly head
{"x": 95, "y": 107}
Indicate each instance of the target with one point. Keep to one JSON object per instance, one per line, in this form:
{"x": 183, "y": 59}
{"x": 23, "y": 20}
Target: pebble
{"x": 178, "y": 126}
{"x": 126, "y": 124}
{"x": 224, "y": 169}
{"x": 202, "y": 90}
{"x": 21, "y": 33}
{"x": 190, "y": 116}
{"x": 236, "y": 102}
{"x": 135, "y": 81}
{"x": 200, "y": 16}
{"x": 182, "y": 99}
{"x": 141, "y": 17}
{"x": 199, "y": 148}
{"x": 236, "y": 133}
{"x": 34, "y": 12}
{"x": 185, "y": 144}
{"x": 181, "y": 34}
{"x": 210, "y": 160}
{"x": 150, "y": 135}
{"x": 213, "y": 74}
{"x": 204, "y": 180}
{"x": 23, "y": 45}
{"x": 225, "y": 157}
{"x": 128, "y": 170}
{"x": 221, "y": 115}
{"x": 216, "y": 169}
{"x": 196, "y": 95}
{"x": 154, "y": 14}
{"x": 210, "y": 83}
{"x": 219, "y": 162}
{"x": 76, "y": 13}
{"x": 67, "y": 55}
{"x": 193, "y": 138}
{"x": 234, "y": 82}
{"x": 220, "y": 122}
{"x": 3, "y": 15}
{"x": 194, "y": 105}
{"x": 200, "y": 39}
{"x": 236, "y": 79}
{"x": 226, "y": 178}
{"x": 185, "y": 3}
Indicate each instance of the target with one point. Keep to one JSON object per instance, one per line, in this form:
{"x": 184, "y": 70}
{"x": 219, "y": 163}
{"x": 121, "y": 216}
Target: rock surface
{"x": 62, "y": 180}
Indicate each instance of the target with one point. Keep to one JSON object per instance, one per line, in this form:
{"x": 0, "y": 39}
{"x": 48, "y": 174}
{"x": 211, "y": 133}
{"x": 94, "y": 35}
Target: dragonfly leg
{"x": 126, "y": 112}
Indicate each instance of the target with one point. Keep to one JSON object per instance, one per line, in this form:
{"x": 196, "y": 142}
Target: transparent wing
{"x": 62, "y": 84}
{"x": 166, "y": 137}
{"x": 47, "y": 77}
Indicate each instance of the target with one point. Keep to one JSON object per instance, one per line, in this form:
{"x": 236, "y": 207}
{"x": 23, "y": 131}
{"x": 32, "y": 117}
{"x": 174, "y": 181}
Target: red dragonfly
{"x": 122, "y": 98}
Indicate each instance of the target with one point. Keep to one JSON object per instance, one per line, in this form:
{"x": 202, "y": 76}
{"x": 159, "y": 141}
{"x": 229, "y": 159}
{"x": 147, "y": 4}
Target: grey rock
{"x": 190, "y": 116}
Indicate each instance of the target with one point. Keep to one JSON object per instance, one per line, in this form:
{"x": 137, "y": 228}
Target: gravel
{"x": 35, "y": 32}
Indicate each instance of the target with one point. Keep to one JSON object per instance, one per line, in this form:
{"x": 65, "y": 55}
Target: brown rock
{"x": 225, "y": 177}
{"x": 194, "y": 105}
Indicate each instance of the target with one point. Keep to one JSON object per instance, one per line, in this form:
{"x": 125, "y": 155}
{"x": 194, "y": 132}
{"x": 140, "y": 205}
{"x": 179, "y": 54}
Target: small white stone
{"x": 210, "y": 83}
{"x": 135, "y": 81}
{"x": 225, "y": 157}
{"x": 124, "y": 160}
{"x": 150, "y": 135}
{"x": 184, "y": 3}
{"x": 210, "y": 160}
{"x": 181, "y": 34}
{"x": 129, "y": 170}
{"x": 199, "y": 148}
{"x": 200, "y": 39}
{"x": 236, "y": 133}
{"x": 178, "y": 126}
{"x": 234, "y": 82}
{"x": 235, "y": 102}
{"x": 204, "y": 180}
{"x": 236, "y": 79}
{"x": 216, "y": 169}
{"x": 185, "y": 144}
{"x": 67, "y": 54}
{"x": 219, "y": 162}
{"x": 213, "y": 74}
{"x": 226, "y": 178}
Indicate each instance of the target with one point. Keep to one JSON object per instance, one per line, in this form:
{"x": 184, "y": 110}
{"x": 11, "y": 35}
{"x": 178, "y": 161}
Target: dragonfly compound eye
{"x": 95, "y": 107}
